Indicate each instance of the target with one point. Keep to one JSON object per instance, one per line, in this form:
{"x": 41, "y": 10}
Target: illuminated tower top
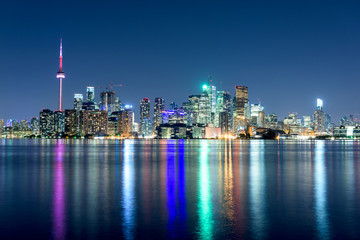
{"x": 60, "y": 73}
{"x": 319, "y": 104}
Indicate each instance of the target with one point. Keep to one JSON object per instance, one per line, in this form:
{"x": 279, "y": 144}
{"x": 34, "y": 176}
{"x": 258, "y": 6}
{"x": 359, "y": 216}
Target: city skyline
{"x": 288, "y": 73}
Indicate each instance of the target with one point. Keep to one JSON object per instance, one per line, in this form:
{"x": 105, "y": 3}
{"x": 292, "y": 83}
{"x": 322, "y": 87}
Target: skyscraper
{"x": 78, "y": 101}
{"x": 35, "y": 125}
{"x": 212, "y": 95}
{"x": 46, "y": 122}
{"x": 90, "y": 94}
{"x": 126, "y": 121}
{"x": 59, "y": 121}
{"x": 241, "y": 108}
{"x": 319, "y": 117}
{"x": 205, "y": 106}
{"x": 71, "y": 122}
{"x": 94, "y": 122}
{"x": 223, "y": 104}
{"x": 60, "y": 75}
{"x": 256, "y": 110}
{"x": 107, "y": 101}
{"x": 145, "y": 120}
{"x": 159, "y": 106}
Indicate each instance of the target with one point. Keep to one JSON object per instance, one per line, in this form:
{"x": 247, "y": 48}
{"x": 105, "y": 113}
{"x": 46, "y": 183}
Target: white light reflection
{"x": 128, "y": 190}
{"x": 320, "y": 191}
{"x": 257, "y": 186}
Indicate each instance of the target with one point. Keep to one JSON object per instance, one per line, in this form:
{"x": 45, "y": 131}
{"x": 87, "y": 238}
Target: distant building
{"x": 172, "y": 131}
{"x": 347, "y": 132}
{"x": 46, "y": 122}
{"x": 59, "y": 122}
{"x": 90, "y": 94}
{"x": 261, "y": 119}
{"x": 126, "y": 122}
{"x": 223, "y": 104}
{"x": 257, "y": 115}
{"x": 35, "y": 125}
{"x": 173, "y": 106}
{"x": 90, "y": 103}
{"x": 328, "y": 124}
{"x": 159, "y": 106}
{"x": 78, "y": 101}
{"x": 307, "y": 121}
{"x": 224, "y": 122}
{"x": 107, "y": 101}
{"x": 173, "y": 116}
{"x": 145, "y": 121}
{"x": 350, "y": 120}
{"x": 113, "y": 123}
{"x": 291, "y": 119}
{"x": 191, "y": 109}
{"x": 319, "y": 117}
{"x": 241, "y": 115}
{"x": 205, "y": 105}
{"x": 24, "y": 125}
{"x": 72, "y": 122}
{"x": 94, "y": 122}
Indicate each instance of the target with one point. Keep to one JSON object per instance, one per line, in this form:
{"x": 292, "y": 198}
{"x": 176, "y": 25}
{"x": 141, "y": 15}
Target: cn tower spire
{"x": 60, "y": 67}
{"x": 60, "y": 75}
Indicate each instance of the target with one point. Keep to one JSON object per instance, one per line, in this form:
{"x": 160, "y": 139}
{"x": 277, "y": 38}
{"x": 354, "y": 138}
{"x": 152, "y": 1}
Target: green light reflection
{"x": 205, "y": 205}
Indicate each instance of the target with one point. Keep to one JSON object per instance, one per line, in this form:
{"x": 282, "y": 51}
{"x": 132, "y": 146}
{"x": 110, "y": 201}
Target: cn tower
{"x": 60, "y": 75}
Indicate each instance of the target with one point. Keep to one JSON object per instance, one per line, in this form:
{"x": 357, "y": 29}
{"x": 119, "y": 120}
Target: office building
{"x": 107, "y": 101}
{"x": 223, "y": 104}
{"x": 94, "y": 123}
{"x": 90, "y": 94}
{"x": 78, "y": 101}
{"x": 59, "y": 122}
{"x": 145, "y": 120}
{"x": 159, "y": 106}
{"x": 241, "y": 113}
{"x": 46, "y": 122}
{"x": 319, "y": 117}
{"x": 173, "y": 106}
{"x": 205, "y": 106}
{"x": 126, "y": 122}
{"x": 35, "y": 125}
{"x": 72, "y": 122}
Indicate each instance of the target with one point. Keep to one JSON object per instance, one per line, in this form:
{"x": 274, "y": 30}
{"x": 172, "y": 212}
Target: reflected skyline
{"x": 257, "y": 187}
{"x": 128, "y": 190}
{"x": 320, "y": 189}
{"x": 206, "y": 189}
{"x": 205, "y": 204}
{"x": 59, "y": 194}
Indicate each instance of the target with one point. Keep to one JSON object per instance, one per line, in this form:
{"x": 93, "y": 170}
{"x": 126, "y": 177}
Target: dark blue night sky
{"x": 287, "y": 52}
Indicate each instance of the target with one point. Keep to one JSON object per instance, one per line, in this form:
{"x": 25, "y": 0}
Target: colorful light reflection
{"x": 59, "y": 226}
{"x": 204, "y": 204}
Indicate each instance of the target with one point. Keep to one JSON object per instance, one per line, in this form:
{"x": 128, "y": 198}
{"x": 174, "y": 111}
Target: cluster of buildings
{"x": 209, "y": 114}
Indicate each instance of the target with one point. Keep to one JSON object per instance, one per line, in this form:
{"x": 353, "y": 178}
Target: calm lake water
{"x": 177, "y": 189}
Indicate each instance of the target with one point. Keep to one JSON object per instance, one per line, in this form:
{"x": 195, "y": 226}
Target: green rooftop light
{"x": 205, "y": 86}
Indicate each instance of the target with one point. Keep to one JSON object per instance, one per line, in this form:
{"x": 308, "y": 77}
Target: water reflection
{"x": 204, "y": 204}
{"x": 171, "y": 185}
{"x": 59, "y": 226}
{"x": 228, "y": 183}
{"x": 257, "y": 186}
{"x": 175, "y": 186}
{"x": 182, "y": 185}
{"x": 128, "y": 190}
{"x": 320, "y": 191}
{"x": 206, "y": 189}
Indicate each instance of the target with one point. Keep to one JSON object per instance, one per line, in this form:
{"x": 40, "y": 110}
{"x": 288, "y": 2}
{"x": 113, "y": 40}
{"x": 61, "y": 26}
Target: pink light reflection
{"x": 59, "y": 227}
